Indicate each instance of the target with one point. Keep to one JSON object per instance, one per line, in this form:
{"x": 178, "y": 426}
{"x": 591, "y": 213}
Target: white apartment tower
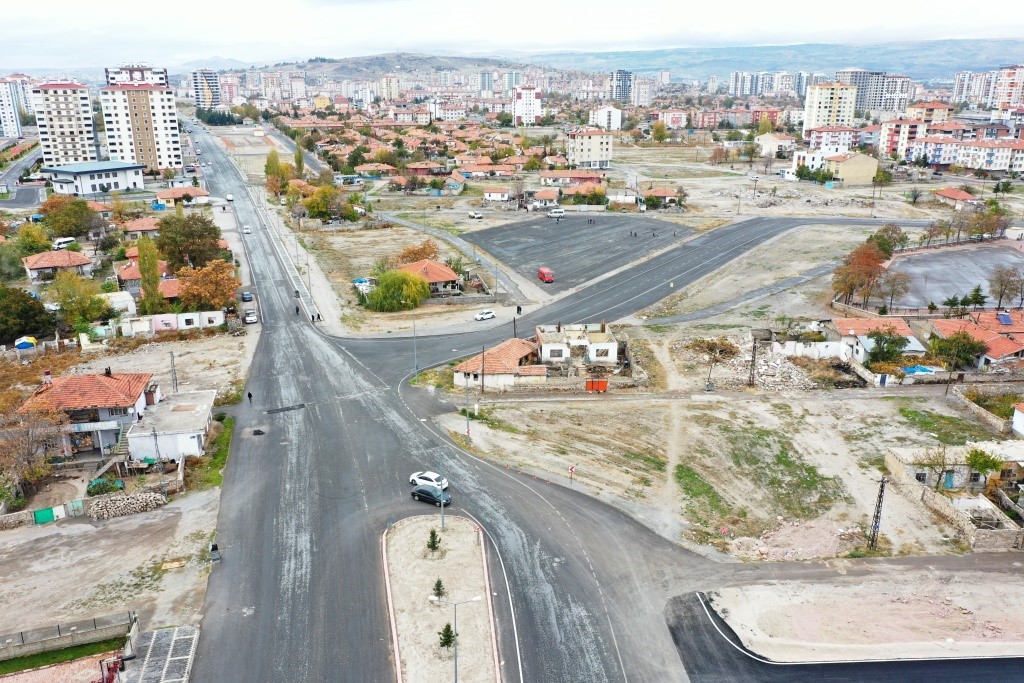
{"x": 877, "y": 90}
{"x": 10, "y": 116}
{"x": 390, "y": 88}
{"x": 206, "y": 88}
{"x": 607, "y": 117}
{"x": 1008, "y": 89}
{"x": 135, "y": 73}
{"x": 141, "y": 123}
{"x": 486, "y": 84}
{"x": 64, "y": 117}
{"x": 829, "y": 104}
{"x": 526, "y": 105}
{"x": 620, "y": 86}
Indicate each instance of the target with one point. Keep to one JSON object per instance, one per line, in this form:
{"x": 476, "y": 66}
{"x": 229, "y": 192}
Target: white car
{"x": 428, "y": 479}
{"x": 475, "y": 214}
{"x": 556, "y": 213}
{"x": 247, "y": 230}
{"x": 250, "y": 316}
{"x": 229, "y": 197}
{"x": 484, "y": 315}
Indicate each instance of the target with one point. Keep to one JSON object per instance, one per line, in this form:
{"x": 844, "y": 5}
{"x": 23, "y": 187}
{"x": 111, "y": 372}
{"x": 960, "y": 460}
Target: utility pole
{"x": 876, "y": 521}
{"x": 468, "y": 437}
{"x": 483, "y": 352}
{"x": 174, "y": 374}
{"x": 753, "y": 364}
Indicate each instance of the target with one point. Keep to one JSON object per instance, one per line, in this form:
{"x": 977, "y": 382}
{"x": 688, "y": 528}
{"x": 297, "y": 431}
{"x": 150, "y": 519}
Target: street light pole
{"x": 415, "y": 358}
{"x": 455, "y": 605}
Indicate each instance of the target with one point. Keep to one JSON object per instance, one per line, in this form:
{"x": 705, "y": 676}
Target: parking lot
{"x": 938, "y": 275}
{"x": 574, "y": 249}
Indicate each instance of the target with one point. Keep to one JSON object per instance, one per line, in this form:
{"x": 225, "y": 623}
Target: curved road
{"x": 319, "y": 468}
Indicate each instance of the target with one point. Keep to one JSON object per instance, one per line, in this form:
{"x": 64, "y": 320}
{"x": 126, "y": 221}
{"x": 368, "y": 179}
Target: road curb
{"x": 490, "y": 607}
{"x": 391, "y": 605}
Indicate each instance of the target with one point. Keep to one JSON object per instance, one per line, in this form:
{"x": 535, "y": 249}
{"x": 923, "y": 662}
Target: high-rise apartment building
{"x": 23, "y": 90}
{"x": 877, "y": 90}
{"x": 513, "y": 79}
{"x": 1008, "y": 89}
{"x": 620, "y": 86}
{"x": 206, "y": 88}
{"x": 141, "y": 124}
{"x": 135, "y": 73}
{"x": 486, "y": 84}
{"x": 390, "y": 87}
{"x": 805, "y": 79}
{"x": 641, "y": 92}
{"x": 10, "y": 116}
{"x": 664, "y": 77}
{"x": 829, "y": 104}
{"x": 712, "y": 86}
{"x": 230, "y": 88}
{"x": 64, "y": 117}
{"x": 526, "y": 105}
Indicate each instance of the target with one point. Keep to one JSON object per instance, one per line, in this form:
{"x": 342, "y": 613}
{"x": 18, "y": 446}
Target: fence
{"x": 993, "y": 421}
{"x": 60, "y": 636}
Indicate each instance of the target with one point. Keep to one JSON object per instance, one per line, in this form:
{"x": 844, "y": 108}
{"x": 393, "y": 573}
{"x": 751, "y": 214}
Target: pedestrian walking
{"x": 296, "y": 310}
{"x": 312, "y": 318}
{"x": 318, "y": 318}
{"x": 250, "y": 397}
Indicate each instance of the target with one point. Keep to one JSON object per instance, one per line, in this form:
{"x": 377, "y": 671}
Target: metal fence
{"x": 66, "y": 630}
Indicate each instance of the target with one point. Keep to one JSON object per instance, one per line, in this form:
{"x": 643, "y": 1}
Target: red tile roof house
{"x": 497, "y": 194}
{"x": 131, "y": 278}
{"x": 997, "y": 347}
{"x": 570, "y": 177}
{"x": 98, "y": 406}
{"x": 443, "y": 280}
{"x": 954, "y": 197}
{"x": 854, "y": 333}
{"x": 507, "y": 364}
{"x": 177, "y": 195}
{"x": 147, "y": 225}
{"x": 46, "y": 265}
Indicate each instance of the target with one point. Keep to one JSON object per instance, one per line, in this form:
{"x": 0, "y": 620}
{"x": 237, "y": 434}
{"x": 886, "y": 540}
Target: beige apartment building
{"x": 829, "y": 104}
{"x": 589, "y": 148}
{"x": 141, "y": 125}
{"x": 64, "y": 117}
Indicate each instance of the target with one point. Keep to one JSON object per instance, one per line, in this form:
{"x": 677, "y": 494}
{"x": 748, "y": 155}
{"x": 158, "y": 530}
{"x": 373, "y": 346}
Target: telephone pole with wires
{"x": 876, "y": 520}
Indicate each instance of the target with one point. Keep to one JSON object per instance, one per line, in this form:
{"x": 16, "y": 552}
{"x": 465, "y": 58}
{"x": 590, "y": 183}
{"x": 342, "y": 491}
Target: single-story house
{"x": 622, "y": 195}
{"x": 500, "y": 367}
{"x": 104, "y": 211}
{"x": 590, "y": 342}
{"x": 443, "y": 280}
{"x": 669, "y": 196}
{"x": 570, "y": 177}
{"x": 997, "y": 347}
{"x": 123, "y": 302}
{"x": 130, "y": 277}
{"x": 424, "y": 168}
{"x": 47, "y": 264}
{"x": 545, "y": 198}
{"x": 99, "y": 406}
{"x": 455, "y": 184}
{"x": 175, "y": 428}
{"x": 382, "y": 170}
{"x": 147, "y": 225}
{"x": 955, "y": 197}
{"x": 177, "y": 195}
{"x": 852, "y": 168}
{"x": 497, "y": 194}
{"x": 95, "y": 177}
{"x": 854, "y": 333}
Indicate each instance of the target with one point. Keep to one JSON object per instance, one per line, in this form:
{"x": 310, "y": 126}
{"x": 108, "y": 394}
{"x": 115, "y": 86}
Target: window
{"x": 555, "y": 353}
{"x": 921, "y": 477}
{"x": 601, "y": 353}
{"x": 975, "y": 477}
{"x": 117, "y": 412}
{"x": 189, "y": 322}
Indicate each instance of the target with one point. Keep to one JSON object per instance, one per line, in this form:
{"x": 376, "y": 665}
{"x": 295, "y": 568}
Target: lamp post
{"x": 455, "y": 605}
{"x": 415, "y": 358}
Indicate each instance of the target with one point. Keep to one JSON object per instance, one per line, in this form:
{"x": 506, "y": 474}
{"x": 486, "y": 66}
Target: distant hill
{"x": 215, "y": 63}
{"x": 372, "y": 67}
{"x": 917, "y": 59}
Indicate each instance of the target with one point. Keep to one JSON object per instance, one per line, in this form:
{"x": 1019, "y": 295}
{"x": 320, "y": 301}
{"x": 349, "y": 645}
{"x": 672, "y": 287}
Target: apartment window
{"x": 117, "y": 412}
{"x": 921, "y": 477}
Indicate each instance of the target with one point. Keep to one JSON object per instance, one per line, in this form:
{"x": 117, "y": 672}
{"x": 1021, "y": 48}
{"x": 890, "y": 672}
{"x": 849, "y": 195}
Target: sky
{"x": 74, "y": 34}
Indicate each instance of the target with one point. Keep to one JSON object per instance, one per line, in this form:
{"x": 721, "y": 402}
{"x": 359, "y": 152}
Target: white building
{"x": 64, "y": 117}
{"x": 589, "y": 148}
{"x": 173, "y": 429}
{"x": 389, "y": 87}
{"x": 10, "y": 118}
{"x": 95, "y": 177}
{"x": 620, "y": 86}
{"x": 1008, "y": 88}
{"x": 141, "y": 122}
{"x": 877, "y": 90}
{"x": 135, "y": 74}
{"x": 607, "y": 117}
{"x": 206, "y": 89}
{"x": 526, "y": 105}
{"x": 829, "y": 104}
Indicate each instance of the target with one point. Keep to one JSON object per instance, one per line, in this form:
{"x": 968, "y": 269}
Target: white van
{"x": 63, "y": 243}
{"x": 556, "y": 213}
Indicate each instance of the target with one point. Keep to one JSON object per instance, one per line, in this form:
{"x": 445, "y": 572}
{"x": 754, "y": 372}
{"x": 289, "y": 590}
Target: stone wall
{"x": 993, "y": 421}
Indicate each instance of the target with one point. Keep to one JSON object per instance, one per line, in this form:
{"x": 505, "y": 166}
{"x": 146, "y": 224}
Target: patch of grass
{"x": 210, "y": 471}
{"x": 759, "y": 313}
{"x": 490, "y": 420}
{"x": 947, "y": 429}
{"x": 716, "y": 326}
{"x": 59, "y": 656}
{"x": 647, "y": 461}
{"x": 441, "y": 378}
{"x": 230, "y": 396}
{"x": 657, "y": 329}
{"x": 1000, "y": 405}
{"x": 697, "y": 489}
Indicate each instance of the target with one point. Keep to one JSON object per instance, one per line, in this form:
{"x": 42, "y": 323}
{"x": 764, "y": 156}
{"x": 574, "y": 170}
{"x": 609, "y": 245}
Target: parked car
{"x": 475, "y": 214}
{"x": 484, "y": 315}
{"x": 545, "y": 274}
{"x": 431, "y": 494}
{"x": 229, "y": 197}
{"x": 428, "y": 479}
{"x": 250, "y": 316}
{"x": 246, "y": 230}
{"x": 247, "y": 296}
{"x": 556, "y": 213}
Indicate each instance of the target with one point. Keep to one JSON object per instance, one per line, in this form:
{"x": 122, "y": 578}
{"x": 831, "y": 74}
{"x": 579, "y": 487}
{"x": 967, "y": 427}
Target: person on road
{"x": 250, "y": 397}
{"x": 296, "y": 310}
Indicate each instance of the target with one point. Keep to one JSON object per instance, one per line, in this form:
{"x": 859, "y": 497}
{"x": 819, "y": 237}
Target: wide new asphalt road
{"x": 319, "y": 468}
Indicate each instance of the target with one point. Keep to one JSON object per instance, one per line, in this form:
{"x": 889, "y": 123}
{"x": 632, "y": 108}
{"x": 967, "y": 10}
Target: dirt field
{"x": 924, "y": 614}
{"x": 414, "y": 569}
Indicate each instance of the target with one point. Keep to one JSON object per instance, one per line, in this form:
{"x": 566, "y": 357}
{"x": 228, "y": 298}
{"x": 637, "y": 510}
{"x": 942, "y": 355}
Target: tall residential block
{"x": 829, "y": 104}
{"x": 1008, "y": 89}
{"x": 589, "y": 148}
{"x": 877, "y": 90}
{"x": 135, "y": 73}
{"x": 620, "y": 86}
{"x": 141, "y": 124}
{"x": 10, "y": 119}
{"x": 64, "y": 117}
{"x": 389, "y": 87}
{"x": 526, "y": 105}
{"x": 206, "y": 88}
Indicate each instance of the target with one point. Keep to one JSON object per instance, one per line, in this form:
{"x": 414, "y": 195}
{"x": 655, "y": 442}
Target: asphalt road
{"x": 22, "y": 197}
{"x": 298, "y": 595}
{"x": 577, "y": 251}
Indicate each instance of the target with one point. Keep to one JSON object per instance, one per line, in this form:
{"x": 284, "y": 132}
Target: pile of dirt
{"x": 800, "y": 540}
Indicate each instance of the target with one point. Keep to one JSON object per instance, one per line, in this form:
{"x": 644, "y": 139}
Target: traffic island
{"x": 438, "y": 580}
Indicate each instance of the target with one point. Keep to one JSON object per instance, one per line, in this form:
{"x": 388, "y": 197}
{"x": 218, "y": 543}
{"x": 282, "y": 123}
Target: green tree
{"x": 272, "y": 168}
{"x": 439, "y": 590}
{"x": 434, "y": 542}
{"x": 152, "y": 301}
{"x": 300, "y": 162}
{"x": 32, "y": 239}
{"x": 652, "y": 202}
{"x": 69, "y": 217}
{"x": 398, "y": 290}
{"x": 21, "y": 314}
{"x": 888, "y": 345}
{"x": 957, "y": 350}
{"x": 533, "y": 164}
{"x": 977, "y": 297}
{"x": 10, "y": 262}
{"x": 447, "y": 636}
{"x": 659, "y": 131}
{"x": 188, "y": 240}
{"x": 764, "y": 125}
{"x": 981, "y": 462}
{"x": 79, "y": 300}
{"x": 322, "y": 204}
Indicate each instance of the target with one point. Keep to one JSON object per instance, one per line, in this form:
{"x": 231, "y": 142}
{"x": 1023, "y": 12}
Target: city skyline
{"x": 235, "y": 31}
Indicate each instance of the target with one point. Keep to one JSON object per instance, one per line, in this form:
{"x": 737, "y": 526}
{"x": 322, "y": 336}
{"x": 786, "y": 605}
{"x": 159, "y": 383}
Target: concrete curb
{"x": 490, "y": 607}
{"x": 391, "y": 605}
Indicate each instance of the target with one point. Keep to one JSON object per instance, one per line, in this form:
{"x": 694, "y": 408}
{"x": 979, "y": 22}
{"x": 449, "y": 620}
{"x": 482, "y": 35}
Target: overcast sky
{"x": 67, "y": 33}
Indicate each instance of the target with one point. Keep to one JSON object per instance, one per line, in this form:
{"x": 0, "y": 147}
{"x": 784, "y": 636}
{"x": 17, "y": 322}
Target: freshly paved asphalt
{"x": 23, "y": 197}
{"x": 298, "y": 595}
